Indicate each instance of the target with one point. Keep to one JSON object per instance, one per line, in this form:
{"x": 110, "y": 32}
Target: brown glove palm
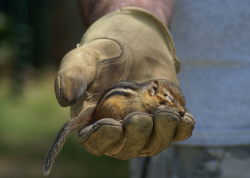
{"x": 128, "y": 44}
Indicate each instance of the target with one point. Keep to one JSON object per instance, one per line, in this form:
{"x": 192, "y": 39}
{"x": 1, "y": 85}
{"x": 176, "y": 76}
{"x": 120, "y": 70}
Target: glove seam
{"x": 110, "y": 62}
{"x": 153, "y": 150}
{"x": 87, "y": 134}
{"x": 168, "y": 39}
{"x": 165, "y": 111}
{"x": 192, "y": 119}
{"x": 130, "y": 117}
{"x": 128, "y": 10}
{"x": 100, "y": 65}
{"x": 124, "y": 57}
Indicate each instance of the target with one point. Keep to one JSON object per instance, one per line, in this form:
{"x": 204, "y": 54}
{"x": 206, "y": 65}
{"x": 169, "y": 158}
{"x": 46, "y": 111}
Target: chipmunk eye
{"x": 169, "y": 98}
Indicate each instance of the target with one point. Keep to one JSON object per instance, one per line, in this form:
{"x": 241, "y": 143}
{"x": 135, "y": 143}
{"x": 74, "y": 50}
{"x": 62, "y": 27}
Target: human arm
{"x": 129, "y": 44}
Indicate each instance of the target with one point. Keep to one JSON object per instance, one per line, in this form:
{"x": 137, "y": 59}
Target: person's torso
{"x": 212, "y": 40}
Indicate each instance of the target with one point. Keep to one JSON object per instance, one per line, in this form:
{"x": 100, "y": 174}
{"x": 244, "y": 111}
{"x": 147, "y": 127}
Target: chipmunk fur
{"x": 117, "y": 101}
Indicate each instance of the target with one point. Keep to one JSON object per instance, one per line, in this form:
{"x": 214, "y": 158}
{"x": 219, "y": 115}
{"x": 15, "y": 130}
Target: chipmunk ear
{"x": 154, "y": 87}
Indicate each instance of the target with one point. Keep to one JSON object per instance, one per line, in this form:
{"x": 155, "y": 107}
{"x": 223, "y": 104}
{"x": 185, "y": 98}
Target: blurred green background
{"x": 34, "y": 36}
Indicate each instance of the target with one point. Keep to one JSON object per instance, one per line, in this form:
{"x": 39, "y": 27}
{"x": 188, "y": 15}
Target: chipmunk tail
{"x": 56, "y": 148}
{"x": 72, "y": 125}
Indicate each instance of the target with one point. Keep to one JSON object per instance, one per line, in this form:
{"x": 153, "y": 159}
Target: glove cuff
{"x": 122, "y": 25}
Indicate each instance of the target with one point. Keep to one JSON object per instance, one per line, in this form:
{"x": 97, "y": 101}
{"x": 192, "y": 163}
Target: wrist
{"x": 93, "y": 10}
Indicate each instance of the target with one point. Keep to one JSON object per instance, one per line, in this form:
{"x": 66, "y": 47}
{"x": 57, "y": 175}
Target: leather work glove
{"x": 128, "y": 44}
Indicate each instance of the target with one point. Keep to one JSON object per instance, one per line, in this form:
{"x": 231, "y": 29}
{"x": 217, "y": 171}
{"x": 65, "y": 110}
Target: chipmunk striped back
{"x": 116, "y": 102}
{"x": 124, "y": 88}
{"x": 124, "y": 97}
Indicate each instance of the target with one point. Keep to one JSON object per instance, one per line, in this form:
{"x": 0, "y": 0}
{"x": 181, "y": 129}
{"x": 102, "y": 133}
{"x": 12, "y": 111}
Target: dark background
{"x": 34, "y": 37}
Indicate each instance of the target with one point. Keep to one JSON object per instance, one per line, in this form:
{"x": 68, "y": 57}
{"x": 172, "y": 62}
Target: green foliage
{"x": 28, "y": 126}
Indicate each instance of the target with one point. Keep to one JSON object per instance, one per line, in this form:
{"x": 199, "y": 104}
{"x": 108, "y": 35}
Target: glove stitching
{"x": 125, "y": 56}
{"x": 166, "y": 34}
{"x": 128, "y": 67}
{"x": 153, "y": 150}
{"x": 116, "y": 156}
{"x": 99, "y": 66}
{"x": 137, "y": 113}
{"x": 131, "y": 115}
{"x": 87, "y": 134}
{"x": 120, "y": 150}
{"x": 125, "y": 73}
{"x": 91, "y": 131}
{"x": 109, "y": 62}
{"x": 166, "y": 112}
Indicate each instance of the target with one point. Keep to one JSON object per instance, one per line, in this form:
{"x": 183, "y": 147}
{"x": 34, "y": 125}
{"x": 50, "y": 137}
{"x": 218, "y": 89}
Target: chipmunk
{"x": 117, "y": 101}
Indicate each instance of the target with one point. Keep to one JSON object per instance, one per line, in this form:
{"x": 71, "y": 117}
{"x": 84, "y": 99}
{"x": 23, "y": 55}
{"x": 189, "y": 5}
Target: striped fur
{"x": 120, "y": 88}
{"x": 116, "y": 102}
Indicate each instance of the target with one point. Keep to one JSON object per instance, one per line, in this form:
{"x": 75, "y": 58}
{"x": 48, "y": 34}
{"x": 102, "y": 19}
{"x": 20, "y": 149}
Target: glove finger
{"x": 100, "y": 136}
{"x": 185, "y": 127}
{"x": 77, "y": 71}
{"x": 165, "y": 125}
{"x": 138, "y": 128}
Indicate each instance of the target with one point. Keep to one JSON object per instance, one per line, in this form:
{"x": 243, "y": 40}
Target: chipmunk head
{"x": 165, "y": 95}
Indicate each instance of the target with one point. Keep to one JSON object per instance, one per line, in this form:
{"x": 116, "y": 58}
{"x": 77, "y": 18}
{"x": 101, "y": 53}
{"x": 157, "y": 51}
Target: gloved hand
{"x": 127, "y": 44}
